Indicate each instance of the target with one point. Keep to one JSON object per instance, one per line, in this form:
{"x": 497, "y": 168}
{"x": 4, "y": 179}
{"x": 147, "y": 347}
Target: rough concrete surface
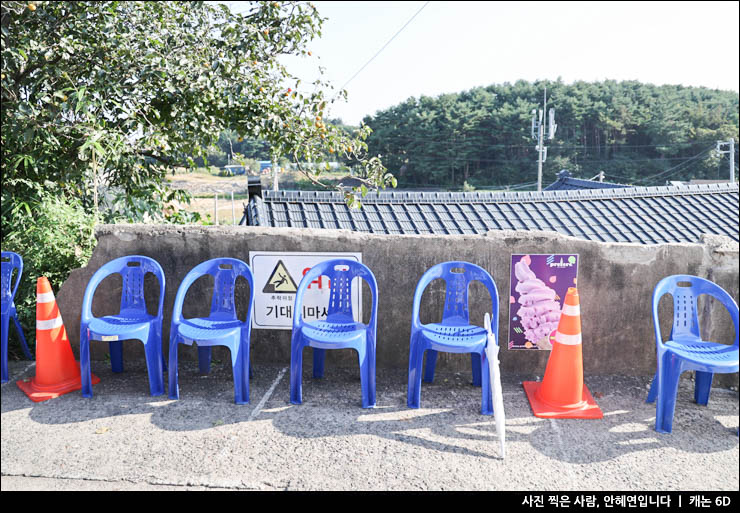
{"x": 124, "y": 439}
{"x": 615, "y": 283}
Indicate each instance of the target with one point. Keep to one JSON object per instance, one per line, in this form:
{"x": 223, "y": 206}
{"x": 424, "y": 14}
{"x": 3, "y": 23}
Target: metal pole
{"x": 539, "y": 160}
{"x": 215, "y": 208}
{"x": 233, "y": 213}
{"x": 732, "y": 160}
{"x": 541, "y": 136}
{"x": 731, "y": 151}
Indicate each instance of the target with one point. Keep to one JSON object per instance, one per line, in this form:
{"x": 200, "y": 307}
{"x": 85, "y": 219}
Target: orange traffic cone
{"x": 562, "y": 393}
{"x": 57, "y": 371}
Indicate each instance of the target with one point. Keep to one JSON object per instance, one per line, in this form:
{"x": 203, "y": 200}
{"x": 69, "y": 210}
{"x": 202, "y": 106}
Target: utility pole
{"x": 274, "y": 164}
{"x": 731, "y": 151}
{"x": 539, "y": 133}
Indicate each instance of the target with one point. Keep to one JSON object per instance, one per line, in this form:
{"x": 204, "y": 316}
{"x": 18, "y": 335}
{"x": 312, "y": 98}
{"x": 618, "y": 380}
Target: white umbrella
{"x": 492, "y": 349}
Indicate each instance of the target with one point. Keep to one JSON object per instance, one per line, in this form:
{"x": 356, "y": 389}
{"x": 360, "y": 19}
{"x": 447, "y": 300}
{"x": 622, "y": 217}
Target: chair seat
{"x": 120, "y": 325}
{"x": 711, "y": 354}
{"x": 451, "y": 338}
{"x": 331, "y": 334}
{"x": 204, "y": 329}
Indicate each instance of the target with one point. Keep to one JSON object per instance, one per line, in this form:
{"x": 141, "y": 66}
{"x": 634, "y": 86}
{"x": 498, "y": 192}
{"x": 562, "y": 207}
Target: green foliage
{"x": 101, "y": 100}
{"x": 118, "y": 93}
{"x": 633, "y": 132}
{"x": 54, "y": 236}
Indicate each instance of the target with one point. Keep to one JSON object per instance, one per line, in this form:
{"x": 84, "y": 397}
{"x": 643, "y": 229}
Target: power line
{"x": 662, "y": 173}
{"x": 384, "y": 46}
{"x": 446, "y": 140}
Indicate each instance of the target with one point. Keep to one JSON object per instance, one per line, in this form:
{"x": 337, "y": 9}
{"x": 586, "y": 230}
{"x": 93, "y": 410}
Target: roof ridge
{"x": 518, "y": 196}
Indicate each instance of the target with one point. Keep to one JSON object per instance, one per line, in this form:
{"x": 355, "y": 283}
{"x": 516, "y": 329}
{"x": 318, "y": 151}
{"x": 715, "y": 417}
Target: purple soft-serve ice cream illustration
{"x": 540, "y": 311}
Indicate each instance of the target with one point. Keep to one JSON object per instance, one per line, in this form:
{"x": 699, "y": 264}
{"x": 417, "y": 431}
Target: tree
{"x": 635, "y": 133}
{"x": 107, "y": 97}
{"x": 120, "y": 92}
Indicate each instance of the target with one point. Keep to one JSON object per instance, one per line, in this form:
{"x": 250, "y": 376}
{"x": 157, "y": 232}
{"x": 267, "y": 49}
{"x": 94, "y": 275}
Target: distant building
{"x": 235, "y": 169}
{"x": 567, "y": 183}
{"x": 266, "y": 167}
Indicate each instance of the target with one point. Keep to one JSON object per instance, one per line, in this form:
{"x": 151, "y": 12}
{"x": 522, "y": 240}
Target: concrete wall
{"x": 615, "y": 285}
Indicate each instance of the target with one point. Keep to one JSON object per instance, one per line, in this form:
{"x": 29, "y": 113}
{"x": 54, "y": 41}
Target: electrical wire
{"x": 384, "y": 46}
{"x": 663, "y": 173}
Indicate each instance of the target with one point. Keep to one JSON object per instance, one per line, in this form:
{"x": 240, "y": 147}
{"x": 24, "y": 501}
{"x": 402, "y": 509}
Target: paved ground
{"x": 123, "y": 439}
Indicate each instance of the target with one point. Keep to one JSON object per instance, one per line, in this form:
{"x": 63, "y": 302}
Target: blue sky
{"x": 455, "y": 46}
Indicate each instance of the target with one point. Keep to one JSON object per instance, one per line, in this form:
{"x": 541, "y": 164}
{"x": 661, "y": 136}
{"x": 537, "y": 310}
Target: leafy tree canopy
{"x": 634, "y": 133}
{"x": 120, "y": 92}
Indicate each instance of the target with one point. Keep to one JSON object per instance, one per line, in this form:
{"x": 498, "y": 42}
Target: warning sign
{"x": 280, "y": 280}
{"x": 277, "y": 276}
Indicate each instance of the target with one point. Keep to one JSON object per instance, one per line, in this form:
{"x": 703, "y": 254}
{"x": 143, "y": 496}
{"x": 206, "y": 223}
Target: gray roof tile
{"x": 648, "y": 215}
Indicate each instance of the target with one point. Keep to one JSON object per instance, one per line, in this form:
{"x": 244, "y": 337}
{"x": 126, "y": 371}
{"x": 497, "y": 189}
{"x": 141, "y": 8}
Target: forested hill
{"x": 635, "y": 133}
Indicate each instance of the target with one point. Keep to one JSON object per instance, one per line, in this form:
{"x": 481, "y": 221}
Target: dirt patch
{"x": 208, "y": 184}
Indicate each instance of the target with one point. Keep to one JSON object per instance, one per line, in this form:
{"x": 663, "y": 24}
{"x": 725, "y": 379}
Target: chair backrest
{"x": 225, "y": 272}
{"x": 133, "y": 269}
{"x": 457, "y": 276}
{"x": 685, "y": 290}
{"x": 341, "y": 273}
{"x": 10, "y": 262}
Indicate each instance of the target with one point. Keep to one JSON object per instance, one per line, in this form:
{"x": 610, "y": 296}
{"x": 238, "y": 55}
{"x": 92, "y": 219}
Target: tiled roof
{"x": 567, "y": 183}
{"x": 647, "y": 215}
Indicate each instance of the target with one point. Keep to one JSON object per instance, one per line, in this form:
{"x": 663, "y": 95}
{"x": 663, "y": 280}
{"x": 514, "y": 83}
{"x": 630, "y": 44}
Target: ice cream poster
{"x": 538, "y": 287}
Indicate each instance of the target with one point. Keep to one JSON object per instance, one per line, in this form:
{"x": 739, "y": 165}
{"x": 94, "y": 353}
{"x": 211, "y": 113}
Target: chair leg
{"x": 241, "y": 374}
{"x": 296, "y": 369}
{"x": 416, "y": 357}
{"x": 430, "y": 365}
{"x": 4, "y": 355}
{"x": 703, "y": 387}
{"x": 670, "y": 372}
{"x": 154, "y": 365}
{"x": 653, "y": 393}
{"x": 116, "y": 355}
{"x": 486, "y": 405}
{"x": 159, "y": 337}
{"x": 204, "y": 359}
{"x": 85, "y": 378}
{"x": 319, "y": 356}
{"x": 475, "y": 361}
{"x": 174, "y": 389}
{"x": 367, "y": 375}
{"x": 24, "y": 346}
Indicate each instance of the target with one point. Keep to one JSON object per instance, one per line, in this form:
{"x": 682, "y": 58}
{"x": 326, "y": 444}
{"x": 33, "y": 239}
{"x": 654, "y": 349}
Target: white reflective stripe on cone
{"x": 571, "y": 310}
{"x": 570, "y": 340}
{"x": 46, "y": 297}
{"x": 50, "y": 324}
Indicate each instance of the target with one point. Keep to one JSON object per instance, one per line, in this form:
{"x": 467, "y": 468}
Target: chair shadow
{"x": 449, "y": 419}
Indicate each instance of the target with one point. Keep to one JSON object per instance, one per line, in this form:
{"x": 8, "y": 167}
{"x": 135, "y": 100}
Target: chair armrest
{"x": 182, "y": 291}
{"x": 369, "y": 278}
{"x": 159, "y": 273}
{"x": 17, "y": 280}
{"x": 723, "y": 297}
{"x": 86, "y": 316}
{"x": 429, "y": 276}
{"x": 310, "y": 276}
{"x": 659, "y": 292}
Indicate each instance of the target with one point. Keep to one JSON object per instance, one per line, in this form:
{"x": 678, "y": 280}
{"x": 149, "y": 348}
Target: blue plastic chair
{"x": 220, "y": 328}
{"x": 338, "y": 331}
{"x": 132, "y": 322}
{"x": 685, "y": 350}
{"x": 454, "y": 334}
{"x": 10, "y": 262}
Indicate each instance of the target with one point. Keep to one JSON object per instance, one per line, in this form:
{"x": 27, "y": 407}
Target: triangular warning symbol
{"x": 280, "y": 280}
